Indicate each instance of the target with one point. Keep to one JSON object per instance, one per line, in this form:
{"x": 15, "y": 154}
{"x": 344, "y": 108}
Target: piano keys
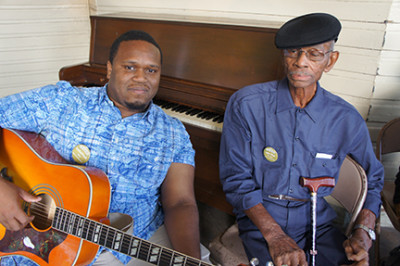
{"x": 192, "y": 116}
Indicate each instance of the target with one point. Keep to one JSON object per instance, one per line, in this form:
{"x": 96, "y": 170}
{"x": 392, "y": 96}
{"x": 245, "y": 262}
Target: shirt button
{"x": 290, "y": 190}
{"x": 294, "y": 164}
{"x": 297, "y": 138}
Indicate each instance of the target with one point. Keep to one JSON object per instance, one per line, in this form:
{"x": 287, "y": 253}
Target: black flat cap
{"x": 308, "y": 30}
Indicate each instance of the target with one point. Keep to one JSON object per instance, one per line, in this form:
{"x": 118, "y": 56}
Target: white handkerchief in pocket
{"x": 321, "y": 155}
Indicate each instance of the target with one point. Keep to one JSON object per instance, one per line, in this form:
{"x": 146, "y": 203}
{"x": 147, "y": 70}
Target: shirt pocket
{"x": 324, "y": 163}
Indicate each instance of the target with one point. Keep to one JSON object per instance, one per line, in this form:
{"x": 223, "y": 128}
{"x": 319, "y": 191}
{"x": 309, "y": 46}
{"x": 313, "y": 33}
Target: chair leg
{"x": 377, "y": 242}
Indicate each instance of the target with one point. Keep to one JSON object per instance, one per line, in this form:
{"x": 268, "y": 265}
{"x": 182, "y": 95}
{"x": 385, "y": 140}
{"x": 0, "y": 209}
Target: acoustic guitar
{"x": 70, "y": 221}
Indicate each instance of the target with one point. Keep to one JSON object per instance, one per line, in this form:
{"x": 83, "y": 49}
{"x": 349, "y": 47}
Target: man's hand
{"x": 12, "y": 217}
{"x": 284, "y": 251}
{"x": 357, "y": 246}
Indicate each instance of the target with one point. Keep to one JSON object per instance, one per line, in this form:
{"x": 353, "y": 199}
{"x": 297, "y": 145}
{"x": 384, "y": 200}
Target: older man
{"x": 276, "y": 132}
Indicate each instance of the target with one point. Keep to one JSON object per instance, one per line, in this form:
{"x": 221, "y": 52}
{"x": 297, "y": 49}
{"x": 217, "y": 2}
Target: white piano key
{"x": 195, "y": 121}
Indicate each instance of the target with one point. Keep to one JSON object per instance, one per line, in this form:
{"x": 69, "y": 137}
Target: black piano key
{"x": 169, "y": 105}
{"x": 175, "y": 107}
{"x": 206, "y": 115}
{"x": 203, "y": 114}
{"x": 182, "y": 110}
{"x": 198, "y": 114}
{"x": 194, "y": 112}
{"x": 178, "y": 107}
{"x": 188, "y": 112}
{"x": 218, "y": 117}
{"x": 210, "y": 116}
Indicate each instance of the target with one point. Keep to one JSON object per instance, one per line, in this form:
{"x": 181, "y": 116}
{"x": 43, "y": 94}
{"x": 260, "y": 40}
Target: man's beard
{"x": 137, "y": 106}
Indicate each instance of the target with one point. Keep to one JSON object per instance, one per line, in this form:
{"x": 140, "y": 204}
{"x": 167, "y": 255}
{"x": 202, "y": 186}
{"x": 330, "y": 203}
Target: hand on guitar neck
{"x": 12, "y": 217}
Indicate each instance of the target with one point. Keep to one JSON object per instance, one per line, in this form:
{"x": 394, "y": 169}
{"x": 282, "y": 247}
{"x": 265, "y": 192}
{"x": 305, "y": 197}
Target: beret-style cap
{"x": 308, "y": 30}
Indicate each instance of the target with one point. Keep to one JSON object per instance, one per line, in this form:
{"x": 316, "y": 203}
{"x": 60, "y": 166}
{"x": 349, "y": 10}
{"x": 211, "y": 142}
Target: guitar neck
{"x": 109, "y": 237}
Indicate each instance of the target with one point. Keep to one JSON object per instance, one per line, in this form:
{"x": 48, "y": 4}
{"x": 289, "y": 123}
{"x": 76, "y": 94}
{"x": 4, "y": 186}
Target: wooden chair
{"x": 388, "y": 141}
{"x": 349, "y": 194}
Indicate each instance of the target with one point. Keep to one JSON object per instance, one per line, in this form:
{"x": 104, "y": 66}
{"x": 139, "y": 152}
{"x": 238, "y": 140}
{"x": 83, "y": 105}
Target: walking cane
{"x": 313, "y": 184}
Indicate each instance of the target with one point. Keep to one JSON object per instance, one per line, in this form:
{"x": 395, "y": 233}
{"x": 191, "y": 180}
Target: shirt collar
{"x": 285, "y": 102}
{"x": 283, "y": 99}
{"x": 103, "y": 94}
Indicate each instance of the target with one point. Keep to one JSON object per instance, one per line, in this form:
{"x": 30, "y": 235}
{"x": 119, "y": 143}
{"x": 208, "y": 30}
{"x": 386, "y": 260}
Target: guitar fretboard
{"x": 107, "y": 236}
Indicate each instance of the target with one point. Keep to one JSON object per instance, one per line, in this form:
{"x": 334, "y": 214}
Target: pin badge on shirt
{"x": 270, "y": 154}
{"x": 81, "y": 154}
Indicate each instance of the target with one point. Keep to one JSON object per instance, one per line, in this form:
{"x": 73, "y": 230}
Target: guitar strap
{"x": 121, "y": 221}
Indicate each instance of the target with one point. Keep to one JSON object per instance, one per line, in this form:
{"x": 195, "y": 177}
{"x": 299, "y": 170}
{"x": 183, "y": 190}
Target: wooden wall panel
{"x": 385, "y": 102}
{"x": 38, "y": 38}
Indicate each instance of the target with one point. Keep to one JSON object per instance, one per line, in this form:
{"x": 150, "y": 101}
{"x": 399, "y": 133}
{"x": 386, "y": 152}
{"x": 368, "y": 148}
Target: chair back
{"x": 388, "y": 141}
{"x": 388, "y": 138}
{"x": 351, "y": 190}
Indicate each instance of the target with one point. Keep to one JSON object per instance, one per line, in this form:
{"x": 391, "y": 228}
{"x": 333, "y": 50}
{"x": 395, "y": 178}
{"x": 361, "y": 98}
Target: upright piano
{"x": 203, "y": 64}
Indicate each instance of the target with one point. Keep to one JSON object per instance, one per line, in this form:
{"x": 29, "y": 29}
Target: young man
{"x": 276, "y": 132}
{"x": 146, "y": 154}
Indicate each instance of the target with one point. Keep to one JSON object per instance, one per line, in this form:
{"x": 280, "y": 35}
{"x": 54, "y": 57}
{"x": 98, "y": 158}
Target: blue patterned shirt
{"x": 135, "y": 152}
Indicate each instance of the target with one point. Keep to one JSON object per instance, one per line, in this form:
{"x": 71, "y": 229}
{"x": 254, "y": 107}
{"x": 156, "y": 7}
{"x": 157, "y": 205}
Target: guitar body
{"x": 35, "y": 166}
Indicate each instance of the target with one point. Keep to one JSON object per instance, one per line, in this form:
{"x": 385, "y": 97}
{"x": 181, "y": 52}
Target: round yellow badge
{"x": 81, "y": 154}
{"x": 270, "y": 154}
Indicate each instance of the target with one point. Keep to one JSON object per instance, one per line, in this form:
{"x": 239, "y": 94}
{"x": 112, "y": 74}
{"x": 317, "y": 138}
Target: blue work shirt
{"x": 135, "y": 152}
{"x": 268, "y": 143}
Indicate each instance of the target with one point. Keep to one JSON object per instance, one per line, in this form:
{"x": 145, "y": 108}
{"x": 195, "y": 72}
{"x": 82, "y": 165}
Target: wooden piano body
{"x": 203, "y": 64}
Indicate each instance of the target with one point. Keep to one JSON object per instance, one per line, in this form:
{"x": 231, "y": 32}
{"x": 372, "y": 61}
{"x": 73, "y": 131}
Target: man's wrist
{"x": 370, "y": 232}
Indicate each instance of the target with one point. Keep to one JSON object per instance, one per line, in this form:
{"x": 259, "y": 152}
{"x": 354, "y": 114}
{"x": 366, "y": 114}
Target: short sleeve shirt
{"x": 135, "y": 152}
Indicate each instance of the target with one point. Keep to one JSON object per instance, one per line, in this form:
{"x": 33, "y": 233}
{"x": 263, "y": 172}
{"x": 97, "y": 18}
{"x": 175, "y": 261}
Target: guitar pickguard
{"x": 29, "y": 240}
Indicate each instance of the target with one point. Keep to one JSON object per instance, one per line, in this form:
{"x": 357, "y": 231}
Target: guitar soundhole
{"x": 43, "y": 211}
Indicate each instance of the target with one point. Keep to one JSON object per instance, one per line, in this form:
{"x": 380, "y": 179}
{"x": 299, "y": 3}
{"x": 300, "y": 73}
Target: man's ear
{"x": 333, "y": 57}
{"x": 109, "y": 69}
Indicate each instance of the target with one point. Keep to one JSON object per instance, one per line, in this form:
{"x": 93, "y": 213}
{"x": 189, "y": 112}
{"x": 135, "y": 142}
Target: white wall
{"x": 39, "y": 37}
{"x": 385, "y": 102}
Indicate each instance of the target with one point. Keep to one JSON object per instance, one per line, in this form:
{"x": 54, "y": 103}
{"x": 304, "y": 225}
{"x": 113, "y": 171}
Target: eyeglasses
{"x": 312, "y": 54}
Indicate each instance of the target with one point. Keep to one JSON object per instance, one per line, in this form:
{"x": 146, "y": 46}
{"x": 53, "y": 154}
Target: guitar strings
{"x": 39, "y": 208}
{"x": 40, "y": 211}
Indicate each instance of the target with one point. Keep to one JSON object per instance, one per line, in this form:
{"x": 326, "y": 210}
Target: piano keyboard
{"x": 192, "y": 116}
